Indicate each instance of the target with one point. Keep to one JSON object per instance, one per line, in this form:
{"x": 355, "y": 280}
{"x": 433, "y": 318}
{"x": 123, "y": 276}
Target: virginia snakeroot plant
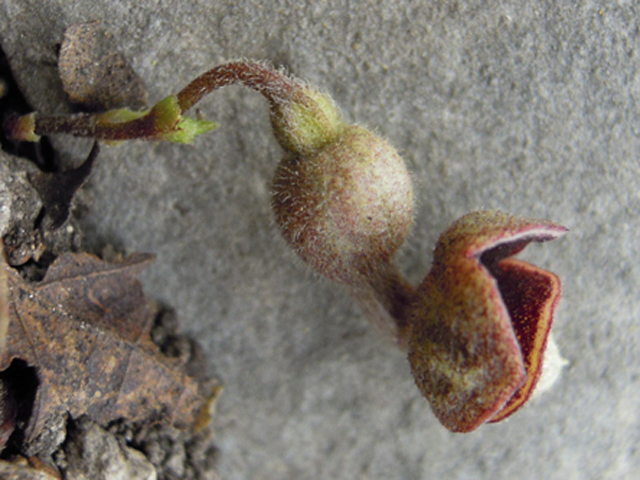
{"x": 475, "y": 330}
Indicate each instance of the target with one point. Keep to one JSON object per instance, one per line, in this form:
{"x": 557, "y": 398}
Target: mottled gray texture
{"x": 530, "y": 107}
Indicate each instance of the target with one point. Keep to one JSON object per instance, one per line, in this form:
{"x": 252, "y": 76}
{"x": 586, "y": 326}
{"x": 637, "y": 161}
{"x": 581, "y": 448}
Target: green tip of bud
{"x": 167, "y": 119}
{"x": 22, "y": 128}
{"x": 170, "y": 125}
{"x": 166, "y": 115}
{"x": 306, "y": 122}
{"x": 119, "y": 115}
{"x": 187, "y": 129}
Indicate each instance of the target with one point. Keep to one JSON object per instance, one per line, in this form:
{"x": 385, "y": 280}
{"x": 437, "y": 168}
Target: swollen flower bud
{"x": 346, "y": 207}
{"x": 342, "y": 198}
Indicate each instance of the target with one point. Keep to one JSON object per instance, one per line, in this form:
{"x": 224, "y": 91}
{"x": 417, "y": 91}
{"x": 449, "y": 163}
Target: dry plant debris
{"x": 21, "y": 468}
{"x": 85, "y": 328}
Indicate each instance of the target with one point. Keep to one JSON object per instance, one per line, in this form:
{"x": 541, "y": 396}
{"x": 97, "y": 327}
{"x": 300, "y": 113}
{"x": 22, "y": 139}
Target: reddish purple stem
{"x": 85, "y": 125}
{"x": 275, "y": 86}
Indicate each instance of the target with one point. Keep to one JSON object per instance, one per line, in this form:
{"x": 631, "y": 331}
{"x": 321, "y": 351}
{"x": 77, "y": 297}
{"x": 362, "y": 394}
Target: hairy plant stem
{"x": 161, "y": 121}
{"x": 274, "y": 86}
{"x": 89, "y": 125}
{"x": 386, "y": 298}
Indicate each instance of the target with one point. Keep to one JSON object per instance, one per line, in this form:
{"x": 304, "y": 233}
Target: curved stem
{"x": 275, "y": 86}
{"x": 164, "y": 121}
{"x": 386, "y": 297}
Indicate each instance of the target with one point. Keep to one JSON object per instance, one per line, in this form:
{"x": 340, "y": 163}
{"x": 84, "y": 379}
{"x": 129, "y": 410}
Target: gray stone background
{"x": 529, "y": 107}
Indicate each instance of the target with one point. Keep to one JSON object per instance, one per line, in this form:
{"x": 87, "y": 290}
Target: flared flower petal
{"x": 481, "y": 320}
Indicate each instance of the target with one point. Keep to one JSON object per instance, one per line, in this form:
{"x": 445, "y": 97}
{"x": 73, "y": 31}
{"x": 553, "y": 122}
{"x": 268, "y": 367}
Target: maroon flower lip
{"x": 481, "y": 320}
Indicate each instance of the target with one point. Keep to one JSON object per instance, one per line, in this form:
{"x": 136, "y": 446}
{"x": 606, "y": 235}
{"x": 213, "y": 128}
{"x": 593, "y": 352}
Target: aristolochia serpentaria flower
{"x": 481, "y": 320}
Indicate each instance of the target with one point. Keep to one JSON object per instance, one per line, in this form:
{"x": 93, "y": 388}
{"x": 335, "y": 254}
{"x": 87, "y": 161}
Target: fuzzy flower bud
{"x": 346, "y": 207}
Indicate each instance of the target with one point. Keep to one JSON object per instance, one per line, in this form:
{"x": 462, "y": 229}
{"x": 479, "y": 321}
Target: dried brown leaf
{"x": 85, "y": 328}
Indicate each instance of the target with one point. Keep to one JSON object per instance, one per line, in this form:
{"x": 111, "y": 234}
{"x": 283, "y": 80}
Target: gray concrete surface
{"x": 529, "y": 107}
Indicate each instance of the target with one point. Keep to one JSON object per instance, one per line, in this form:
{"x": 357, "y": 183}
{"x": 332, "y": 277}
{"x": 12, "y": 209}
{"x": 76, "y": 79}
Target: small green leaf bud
{"x": 306, "y": 122}
{"x": 22, "y": 128}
